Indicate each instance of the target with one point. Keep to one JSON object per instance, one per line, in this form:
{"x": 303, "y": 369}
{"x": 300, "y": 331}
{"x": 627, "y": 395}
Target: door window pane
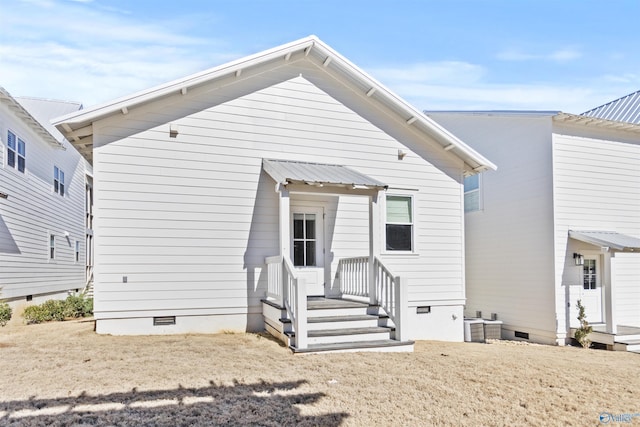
{"x": 310, "y": 226}
{"x": 310, "y": 258}
{"x": 304, "y": 240}
{"x": 589, "y": 274}
{"x": 298, "y": 253}
{"x": 298, "y": 226}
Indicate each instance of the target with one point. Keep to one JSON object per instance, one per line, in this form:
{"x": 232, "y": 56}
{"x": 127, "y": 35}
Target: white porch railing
{"x": 390, "y": 292}
{"x": 290, "y": 292}
{"x": 353, "y": 273}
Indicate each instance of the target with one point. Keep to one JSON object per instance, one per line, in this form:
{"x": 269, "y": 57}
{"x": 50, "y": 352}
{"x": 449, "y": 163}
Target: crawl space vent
{"x": 164, "y": 320}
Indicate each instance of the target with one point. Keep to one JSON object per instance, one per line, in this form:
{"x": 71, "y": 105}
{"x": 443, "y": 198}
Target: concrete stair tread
{"x": 346, "y": 318}
{"x": 313, "y": 348}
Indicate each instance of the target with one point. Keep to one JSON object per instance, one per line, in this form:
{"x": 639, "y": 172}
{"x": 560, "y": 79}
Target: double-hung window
{"x": 472, "y": 193}
{"x": 16, "y": 152}
{"x": 399, "y": 223}
{"x": 58, "y": 181}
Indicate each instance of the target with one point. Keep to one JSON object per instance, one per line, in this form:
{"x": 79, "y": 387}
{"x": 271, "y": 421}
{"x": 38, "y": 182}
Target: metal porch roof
{"x": 317, "y": 174}
{"x": 610, "y": 239}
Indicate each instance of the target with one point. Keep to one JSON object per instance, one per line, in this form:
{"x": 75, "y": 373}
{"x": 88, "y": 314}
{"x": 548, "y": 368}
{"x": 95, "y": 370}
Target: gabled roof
{"x": 44, "y": 110}
{"x": 625, "y": 109}
{"x": 29, "y": 119}
{"x": 77, "y": 127}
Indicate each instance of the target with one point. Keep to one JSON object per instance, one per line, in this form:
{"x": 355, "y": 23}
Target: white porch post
{"x": 374, "y": 241}
{"x": 609, "y": 291}
{"x": 284, "y": 209}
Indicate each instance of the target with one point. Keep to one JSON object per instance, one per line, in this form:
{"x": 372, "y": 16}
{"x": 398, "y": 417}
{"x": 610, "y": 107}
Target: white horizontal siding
{"x": 597, "y": 187}
{"x": 192, "y": 218}
{"x": 627, "y": 293}
{"x": 509, "y": 243}
{"x": 33, "y": 210}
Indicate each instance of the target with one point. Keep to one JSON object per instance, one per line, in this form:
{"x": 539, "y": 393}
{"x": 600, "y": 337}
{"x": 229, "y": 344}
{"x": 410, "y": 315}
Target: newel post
{"x": 301, "y": 314}
{"x": 401, "y": 299}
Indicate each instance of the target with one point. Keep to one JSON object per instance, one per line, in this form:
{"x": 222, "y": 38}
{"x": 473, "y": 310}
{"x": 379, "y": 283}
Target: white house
{"x": 559, "y": 221}
{"x": 42, "y": 203}
{"x": 284, "y": 175}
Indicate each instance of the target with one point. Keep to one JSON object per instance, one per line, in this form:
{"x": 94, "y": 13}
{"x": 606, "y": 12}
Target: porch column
{"x": 284, "y": 213}
{"x": 374, "y": 241}
{"x": 609, "y": 292}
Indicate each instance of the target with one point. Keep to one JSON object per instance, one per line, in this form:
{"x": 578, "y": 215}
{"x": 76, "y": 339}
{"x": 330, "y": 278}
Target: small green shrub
{"x": 5, "y": 313}
{"x": 582, "y": 333}
{"x": 35, "y": 314}
{"x": 72, "y": 307}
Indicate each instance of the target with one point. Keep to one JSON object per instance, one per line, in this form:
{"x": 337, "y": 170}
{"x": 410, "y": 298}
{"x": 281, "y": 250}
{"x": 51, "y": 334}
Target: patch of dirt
{"x": 65, "y": 374}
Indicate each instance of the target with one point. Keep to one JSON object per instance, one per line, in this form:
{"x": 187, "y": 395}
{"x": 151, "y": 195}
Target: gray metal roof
{"x": 34, "y": 123}
{"x": 43, "y": 110}
{"x": 625, "y": 109}
{"x": 317, "y": 174}
{"x": 610, "y": 239}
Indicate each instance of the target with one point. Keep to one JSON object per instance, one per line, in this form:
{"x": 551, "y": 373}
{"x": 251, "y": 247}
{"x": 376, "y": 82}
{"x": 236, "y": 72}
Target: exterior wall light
{"x": 578, "y": 258}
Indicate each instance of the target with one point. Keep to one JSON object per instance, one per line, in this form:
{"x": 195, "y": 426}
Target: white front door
{"x": 307, "y": 246}
{"x": 591, "y": 293}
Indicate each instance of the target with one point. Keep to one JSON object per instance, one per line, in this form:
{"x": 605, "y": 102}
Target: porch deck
{"x": 627, "y": 338}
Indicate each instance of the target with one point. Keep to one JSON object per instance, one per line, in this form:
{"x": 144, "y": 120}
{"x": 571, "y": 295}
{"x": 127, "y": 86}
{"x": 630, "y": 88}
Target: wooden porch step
{"x": 345, "y": 335}
{"x": 330, "y": 319}
{"x": 632, "y": 345}
{"x": 377, "y": 346}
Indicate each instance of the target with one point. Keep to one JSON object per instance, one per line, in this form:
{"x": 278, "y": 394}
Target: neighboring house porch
{"x": 609, "y": 264}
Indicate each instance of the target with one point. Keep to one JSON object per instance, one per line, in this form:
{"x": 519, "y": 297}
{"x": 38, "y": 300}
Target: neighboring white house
{"x": 210, "y": 188}
{"x": 42, "y": 203}
{"x": 559, "y": 221}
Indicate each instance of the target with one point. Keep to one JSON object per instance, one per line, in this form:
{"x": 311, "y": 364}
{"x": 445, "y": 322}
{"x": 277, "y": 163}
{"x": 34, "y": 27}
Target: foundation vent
{"x": 519, "y": 334}
{"x": 164, "y": 321}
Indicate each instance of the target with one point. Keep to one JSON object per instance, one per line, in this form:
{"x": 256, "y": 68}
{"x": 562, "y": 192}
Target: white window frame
{"x": 58, "y": 181}
{"x": 478, "y": 190}
{"x": 385, "y": 222}
{"x": 16, "y": 152}
{"x": 52, "y": 252}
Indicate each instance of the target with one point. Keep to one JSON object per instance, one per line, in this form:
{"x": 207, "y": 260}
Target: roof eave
{"x": 30, "y": 120}
{"x": 372, "y": 88}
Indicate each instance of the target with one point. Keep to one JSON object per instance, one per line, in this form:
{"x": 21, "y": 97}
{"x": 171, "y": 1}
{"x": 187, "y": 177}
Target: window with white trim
{"x": 589, "y": 274}
{"x": 472, "y": 193}
{"x": 16, "y": 152}
{"x": 399, "y": 224}
{"x": 52, "y": 246}
{"x": 304, "y": 239}
{"x": 58, "y": 181}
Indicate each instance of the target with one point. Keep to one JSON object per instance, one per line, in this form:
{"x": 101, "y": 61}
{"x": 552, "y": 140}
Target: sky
{"x": 438, "y": 55}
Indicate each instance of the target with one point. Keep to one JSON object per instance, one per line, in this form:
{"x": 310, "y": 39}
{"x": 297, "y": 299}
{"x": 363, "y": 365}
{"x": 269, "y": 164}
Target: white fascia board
{"x": 407, "y": 112}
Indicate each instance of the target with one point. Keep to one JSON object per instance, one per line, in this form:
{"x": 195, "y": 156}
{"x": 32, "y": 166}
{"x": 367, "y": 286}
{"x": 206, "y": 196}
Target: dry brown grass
{"x": 64, "y": 374}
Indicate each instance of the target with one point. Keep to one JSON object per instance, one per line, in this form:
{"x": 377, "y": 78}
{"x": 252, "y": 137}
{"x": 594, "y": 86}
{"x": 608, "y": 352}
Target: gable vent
{"x": 164, "y": 320}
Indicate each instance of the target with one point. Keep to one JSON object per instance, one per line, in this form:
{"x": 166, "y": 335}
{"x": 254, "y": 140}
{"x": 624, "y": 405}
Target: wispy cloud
{"x": 91, "y": 55}
{"x": 560, "y": 55}
{"x": 465, "y": 86}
